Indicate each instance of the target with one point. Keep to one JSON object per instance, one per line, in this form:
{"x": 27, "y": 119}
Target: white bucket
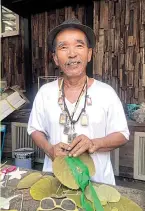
{"x": 24, "y": 157}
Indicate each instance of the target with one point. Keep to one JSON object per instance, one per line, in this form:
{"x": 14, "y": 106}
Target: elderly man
{"x": 75, "y": 114}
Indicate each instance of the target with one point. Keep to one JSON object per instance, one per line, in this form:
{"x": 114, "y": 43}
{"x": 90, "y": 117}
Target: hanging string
{"x": 76, "y": 105}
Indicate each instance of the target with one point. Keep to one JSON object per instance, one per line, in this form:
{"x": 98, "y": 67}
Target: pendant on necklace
{"x": 60, "y": 101}
{"x": 72, "y": 134}
{"x": 71, "y": 137}
{"x": 89, "y": 100}
{"x": 63, "y": 118}
{"x": 84, "y": 119}
{"x": 66, "y": 129}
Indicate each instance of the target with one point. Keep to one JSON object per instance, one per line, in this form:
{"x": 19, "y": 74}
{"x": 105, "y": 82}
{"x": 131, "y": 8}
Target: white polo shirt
{"x": 106, "y": 116}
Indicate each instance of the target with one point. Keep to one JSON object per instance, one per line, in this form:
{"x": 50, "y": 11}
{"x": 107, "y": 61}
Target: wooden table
{"x": 29, "y": 204}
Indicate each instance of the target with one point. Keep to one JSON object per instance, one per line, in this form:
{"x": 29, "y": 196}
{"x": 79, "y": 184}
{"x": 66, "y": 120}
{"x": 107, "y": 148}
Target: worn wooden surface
{"x": 12, "y": 51}
{"x": 31, "y": 205}
{"x": 42, "y": 61}
{"x": 119, "y": 54}
{"x": 118, "y": 58}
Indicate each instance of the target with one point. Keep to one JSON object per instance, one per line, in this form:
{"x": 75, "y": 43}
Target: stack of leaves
{"x": 110, "y": 198}
{"x": 40, "y": 186}
{"x": 64, "y": 185}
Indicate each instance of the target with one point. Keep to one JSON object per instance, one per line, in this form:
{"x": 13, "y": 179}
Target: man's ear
{"x": 55, "y": 59}
{"x": 90, "y": 54}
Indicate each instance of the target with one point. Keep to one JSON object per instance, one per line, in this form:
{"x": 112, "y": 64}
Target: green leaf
{"x": 108, "y": 193}
{"x": 45, "y": 187}
{"x": 124, "y": 204}
{"x": 29, "y": 180}
{"x": 65, "y": 176}
{"x": 89, "y": 197}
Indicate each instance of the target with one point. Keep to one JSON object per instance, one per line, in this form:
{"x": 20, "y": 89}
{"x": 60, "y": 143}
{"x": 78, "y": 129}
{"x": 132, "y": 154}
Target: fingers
{"x": 73, "y": 152}
{"x": 61, "y": 153}
{"x": 79, "y": 151}
{"x": 79, "y": 145}
{"x": 60, "y": 149}
{"x": 63, "y": 146}
{"x": 75, "y": 142}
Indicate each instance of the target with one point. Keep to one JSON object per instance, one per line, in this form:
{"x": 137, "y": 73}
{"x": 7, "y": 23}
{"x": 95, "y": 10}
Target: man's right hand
{"x": 60, "y": 149}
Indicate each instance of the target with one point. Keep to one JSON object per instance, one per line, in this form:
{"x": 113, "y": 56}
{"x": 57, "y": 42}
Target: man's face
{"x": 72, "y": 53}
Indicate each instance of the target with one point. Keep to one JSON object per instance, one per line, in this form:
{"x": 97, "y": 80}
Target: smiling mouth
{"x": 73, "y": 63}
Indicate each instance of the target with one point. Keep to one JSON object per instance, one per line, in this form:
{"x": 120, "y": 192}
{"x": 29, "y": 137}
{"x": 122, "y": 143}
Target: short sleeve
{"x": 116, "y": 118}
{"x": 37, "y": 115}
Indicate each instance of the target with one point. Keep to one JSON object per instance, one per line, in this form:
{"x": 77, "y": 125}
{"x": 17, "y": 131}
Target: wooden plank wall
{"x": 42, "y": 62}
{"x": 119, "y": 56}
{"x": 12, "y": 51}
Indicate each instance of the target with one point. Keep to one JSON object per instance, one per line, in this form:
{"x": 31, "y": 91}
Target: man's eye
{"x": 63, "y": 47}
{"x": 79, "y": 46}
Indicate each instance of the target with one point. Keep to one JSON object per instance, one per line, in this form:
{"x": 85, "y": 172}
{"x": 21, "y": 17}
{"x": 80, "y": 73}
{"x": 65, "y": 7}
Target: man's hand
{"x": 79, "y": 145}
{"x": 60, "y": 149}
{"x": 94, "y": 147}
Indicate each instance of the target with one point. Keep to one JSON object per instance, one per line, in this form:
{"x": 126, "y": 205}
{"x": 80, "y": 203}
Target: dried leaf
{"x": 29, "y": 180}
{"x": 62, "y": 171}
{"x": 89, "y": 197}
{"x": 124, "y": 204}
{"x": 45, "y": 187}
{"x": 76, "y": 198}
{"x": 9, "y": 210}
{"x": 114, "y": 209}
{"x": 108, "y": 193}
{"x": 60, "y": 193}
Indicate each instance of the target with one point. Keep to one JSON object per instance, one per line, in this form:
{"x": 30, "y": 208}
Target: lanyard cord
{"x": 83, "y": 109}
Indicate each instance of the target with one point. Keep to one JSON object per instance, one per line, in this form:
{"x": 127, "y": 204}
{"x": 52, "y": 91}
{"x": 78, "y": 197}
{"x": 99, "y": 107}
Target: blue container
{"x": 131, "y": 108}
{"x": 24, "y": 158}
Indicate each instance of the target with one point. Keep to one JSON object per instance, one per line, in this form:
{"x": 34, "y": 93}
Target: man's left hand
{"x": 79, "y": 145}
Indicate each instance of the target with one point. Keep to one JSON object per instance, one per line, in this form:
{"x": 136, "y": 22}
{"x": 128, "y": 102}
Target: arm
{"x": 50, "y": 150}
{"x": 116, "y": 130}
{"x": 82, "y": 143}
{"x": 38, "y": 130}
{"x": 40, "y": 140}
{"x": 108, "y": 143}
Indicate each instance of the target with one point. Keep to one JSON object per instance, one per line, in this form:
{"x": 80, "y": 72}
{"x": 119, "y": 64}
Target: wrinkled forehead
{"x": 72, "y": 33}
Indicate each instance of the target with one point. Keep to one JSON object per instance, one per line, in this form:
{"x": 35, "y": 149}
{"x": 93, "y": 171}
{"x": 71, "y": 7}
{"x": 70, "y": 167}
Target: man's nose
{"x": 72, "y": 52}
